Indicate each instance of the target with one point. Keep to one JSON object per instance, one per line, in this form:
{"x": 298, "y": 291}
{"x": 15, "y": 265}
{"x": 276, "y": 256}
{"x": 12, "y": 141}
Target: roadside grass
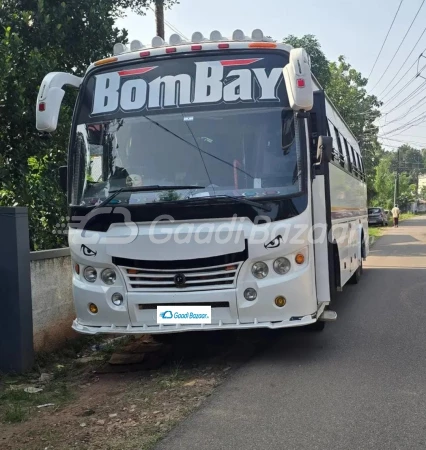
{"x": 64, "y": 370}
{"x": 377, "y": 231}
{"x": 16, "y": 405}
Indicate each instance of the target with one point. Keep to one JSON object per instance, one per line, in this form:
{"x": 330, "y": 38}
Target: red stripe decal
{"x": 141, "y": 71}
{"x": 239, "y": 62}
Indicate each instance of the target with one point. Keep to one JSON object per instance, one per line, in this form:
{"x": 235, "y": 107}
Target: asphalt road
{"x": 359, "y": 384}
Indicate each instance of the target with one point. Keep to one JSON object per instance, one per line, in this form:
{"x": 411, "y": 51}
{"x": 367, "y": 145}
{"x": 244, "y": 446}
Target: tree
{"x": 159, "y": 17}
{"x": 346, "y": 89}
{"x": 37, "y": 37}
{"x": 320, "y": 64}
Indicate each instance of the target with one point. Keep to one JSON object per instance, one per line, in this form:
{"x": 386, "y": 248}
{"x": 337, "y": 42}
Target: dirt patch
{"x": 86, "y": 404}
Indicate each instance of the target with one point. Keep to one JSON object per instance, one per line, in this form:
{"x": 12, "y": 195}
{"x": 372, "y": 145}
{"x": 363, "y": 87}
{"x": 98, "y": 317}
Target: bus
{"x": 211, "y": 186}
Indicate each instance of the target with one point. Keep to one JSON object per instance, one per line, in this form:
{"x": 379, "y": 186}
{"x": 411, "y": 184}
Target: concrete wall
{"x": 53, "y": 309}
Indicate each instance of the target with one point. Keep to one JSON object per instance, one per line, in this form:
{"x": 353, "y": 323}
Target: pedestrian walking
{"x": 395, "y": 214}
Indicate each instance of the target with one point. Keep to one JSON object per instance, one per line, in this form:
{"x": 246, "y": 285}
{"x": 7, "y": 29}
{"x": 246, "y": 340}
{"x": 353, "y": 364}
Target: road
{"x": 360, "y": 384}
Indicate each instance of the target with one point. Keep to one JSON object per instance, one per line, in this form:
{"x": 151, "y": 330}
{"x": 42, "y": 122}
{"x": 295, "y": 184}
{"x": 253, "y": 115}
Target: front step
{"x": 328, "y": 316}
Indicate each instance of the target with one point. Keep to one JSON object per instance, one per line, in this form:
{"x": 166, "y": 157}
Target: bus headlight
{"x": 282, "y": 266}
{"x": 260, "y": 270}
{"x": 108, "y": 276}
{"x": 90, "y": 274}
{"x": 250, "y": 294}
{"x": 117, "y": 299}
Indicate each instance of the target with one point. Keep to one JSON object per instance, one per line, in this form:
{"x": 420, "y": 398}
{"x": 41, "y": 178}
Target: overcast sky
{"x": 352, "y": 28}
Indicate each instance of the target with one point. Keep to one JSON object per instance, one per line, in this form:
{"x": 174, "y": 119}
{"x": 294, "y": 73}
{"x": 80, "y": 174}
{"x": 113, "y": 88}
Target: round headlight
{"x": 250, "y": 294}
{"x": 117, "y": 299}
{"x": 108, "y": 276}
{"x": 90, "y": 274}
{"x": 259, "y": 270}
{"x": 282, "y": 266}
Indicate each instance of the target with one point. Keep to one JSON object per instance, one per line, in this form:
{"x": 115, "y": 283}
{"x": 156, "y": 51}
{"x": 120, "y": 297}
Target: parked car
{"x": 377, "y": 216}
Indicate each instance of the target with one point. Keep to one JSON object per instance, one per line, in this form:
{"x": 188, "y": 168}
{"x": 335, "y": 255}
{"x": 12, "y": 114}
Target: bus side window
{"x": 355, "y": 165}
{"x": 361, "y": 169}
{"x": 333, "y": 135}
{"x": 339, "y": 146}
{"x": 348, "y": 161}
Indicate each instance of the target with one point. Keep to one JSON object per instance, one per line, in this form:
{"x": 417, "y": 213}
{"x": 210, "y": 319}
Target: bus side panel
{"x": 348, "y": 210}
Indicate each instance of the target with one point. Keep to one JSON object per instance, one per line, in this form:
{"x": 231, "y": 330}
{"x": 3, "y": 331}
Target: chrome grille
{"x": 197, "y": 279}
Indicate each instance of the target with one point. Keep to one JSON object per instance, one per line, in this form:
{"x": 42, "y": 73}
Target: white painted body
{"x": 305, "y": 287}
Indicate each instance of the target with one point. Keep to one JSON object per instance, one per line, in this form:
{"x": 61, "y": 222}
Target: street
{"x": 360, "y": 384}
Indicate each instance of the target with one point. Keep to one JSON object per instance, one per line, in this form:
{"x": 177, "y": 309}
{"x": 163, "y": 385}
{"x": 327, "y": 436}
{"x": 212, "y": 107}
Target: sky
{"x": 355, "y": 29}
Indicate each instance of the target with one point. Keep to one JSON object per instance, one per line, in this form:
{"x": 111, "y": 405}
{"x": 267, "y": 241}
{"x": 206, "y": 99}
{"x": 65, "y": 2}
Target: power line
{"x": 408, "y": 98}
{"x": 386, "y": 38}
{"x": 400, "y": 45}
{"x": 406, "y": 59}
{"x": 413, "y": 108}
{"x": 396, "y": 84}
{"x": 172, "y": 27}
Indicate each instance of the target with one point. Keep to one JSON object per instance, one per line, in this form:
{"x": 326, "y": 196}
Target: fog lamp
{"x": 250, "y": 294}
{"x": 117, "y": 299}
{"x": 93, "y": 308}
{"x": 280, "y": 301}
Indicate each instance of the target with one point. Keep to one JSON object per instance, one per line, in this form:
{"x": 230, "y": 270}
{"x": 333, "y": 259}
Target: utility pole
{"x": 159, "y": 17}
{"x": 396, "y": 192}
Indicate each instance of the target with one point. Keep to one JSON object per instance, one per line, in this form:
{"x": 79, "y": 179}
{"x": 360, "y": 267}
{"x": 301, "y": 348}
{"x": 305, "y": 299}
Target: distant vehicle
{"x": 377, "y": 216}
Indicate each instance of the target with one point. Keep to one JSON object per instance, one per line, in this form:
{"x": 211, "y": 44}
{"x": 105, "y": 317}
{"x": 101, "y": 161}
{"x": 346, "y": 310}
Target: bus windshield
{"x": 137, "y": 130}
{"x": 237, "y": 153}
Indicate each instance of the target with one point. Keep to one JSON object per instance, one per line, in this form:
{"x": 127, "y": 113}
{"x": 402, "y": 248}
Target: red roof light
{"x": 146, "y": 53}
{"x": 196, "y": 47}
{"x": 171, "y": 50}
{"x": 223, "y": 46}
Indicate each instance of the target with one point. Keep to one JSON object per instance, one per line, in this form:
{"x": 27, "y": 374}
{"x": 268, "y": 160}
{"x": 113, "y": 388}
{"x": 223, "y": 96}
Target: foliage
{"x": 384, "y": 184}
{"x": 37, "y": 37}
{"x": 346, "y": 89}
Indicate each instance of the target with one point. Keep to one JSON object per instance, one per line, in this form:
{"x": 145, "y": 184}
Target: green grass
{"x": 15, "y": 413}
{"x": 375, "y": 231}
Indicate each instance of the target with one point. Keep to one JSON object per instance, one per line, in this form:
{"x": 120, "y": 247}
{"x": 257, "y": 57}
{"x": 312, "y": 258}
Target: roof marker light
{"x": 157, "y": 41}
{"x": 197, "y": 37}
{"x": 175, "y": 39}
{"x": 101, "y": 62}
{"x": 223, "y": 46}
{"x": 119, "y": 48}
{"x": 257, "y": 35}
{"x": 145, "y": 53}
{"x": 196, "y": 47}
{"x": 216, "y": 36}
{"x": 238, "y": 35}
{"x": 171, "y": 50}
{"x": 262, "y": 45}
{"x": 136, "y": 45}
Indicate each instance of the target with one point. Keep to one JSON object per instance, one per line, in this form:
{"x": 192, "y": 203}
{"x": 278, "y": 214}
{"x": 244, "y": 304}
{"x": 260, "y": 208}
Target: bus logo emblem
{"x": 180, "y": 280}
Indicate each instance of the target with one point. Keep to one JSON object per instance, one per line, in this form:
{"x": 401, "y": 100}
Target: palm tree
{"x": 159, "y": 17}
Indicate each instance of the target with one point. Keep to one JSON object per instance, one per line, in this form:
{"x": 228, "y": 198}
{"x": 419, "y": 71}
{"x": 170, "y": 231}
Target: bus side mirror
{"x": 298, "y": 81}
{"x": 325, "y": 149}
{"x": 63, "y": 178}
{"x": 50, "y": 98}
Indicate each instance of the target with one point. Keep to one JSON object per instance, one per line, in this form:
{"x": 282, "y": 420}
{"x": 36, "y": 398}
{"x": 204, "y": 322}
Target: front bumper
{"x": 156, "y": 329}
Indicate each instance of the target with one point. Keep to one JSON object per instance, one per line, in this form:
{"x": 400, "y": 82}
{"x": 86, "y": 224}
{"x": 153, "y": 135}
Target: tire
{"x": 356, "y": 277}
{"x": 319, "y": 325}
{"x": 383, "y": 223}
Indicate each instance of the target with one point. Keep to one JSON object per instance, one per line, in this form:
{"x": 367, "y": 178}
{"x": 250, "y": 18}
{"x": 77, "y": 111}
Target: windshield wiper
{"x": 152, "y": 188}
{"x": 235, "y": 199}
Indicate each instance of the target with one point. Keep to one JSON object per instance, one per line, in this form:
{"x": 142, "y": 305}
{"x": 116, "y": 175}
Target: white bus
{"x": 211, "y": 186}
